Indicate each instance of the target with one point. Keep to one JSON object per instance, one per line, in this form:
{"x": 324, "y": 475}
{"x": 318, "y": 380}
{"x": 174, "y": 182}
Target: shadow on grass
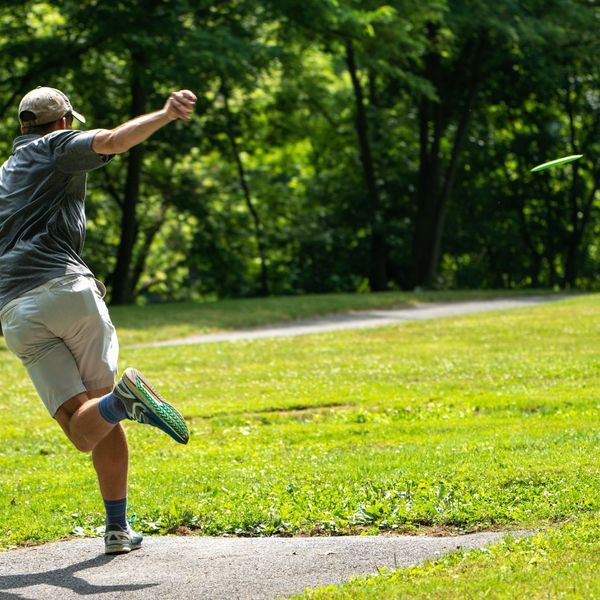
{"x": 66, "y": 578}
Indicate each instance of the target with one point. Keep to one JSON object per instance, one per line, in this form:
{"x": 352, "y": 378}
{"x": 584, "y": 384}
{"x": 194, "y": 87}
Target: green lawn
{"x": 458, "y": 424}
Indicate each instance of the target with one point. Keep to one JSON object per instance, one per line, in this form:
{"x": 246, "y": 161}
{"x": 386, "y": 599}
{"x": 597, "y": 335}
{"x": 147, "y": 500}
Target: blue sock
{"x": 112, "y": 409}
{"x": 116, "y": 511}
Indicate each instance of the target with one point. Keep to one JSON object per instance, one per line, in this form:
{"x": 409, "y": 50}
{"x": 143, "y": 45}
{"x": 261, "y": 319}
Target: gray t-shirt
{"x": 42, "y": 217}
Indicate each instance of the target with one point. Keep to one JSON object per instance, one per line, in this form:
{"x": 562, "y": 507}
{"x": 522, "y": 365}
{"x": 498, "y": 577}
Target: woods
{"x": 338, "y": 145}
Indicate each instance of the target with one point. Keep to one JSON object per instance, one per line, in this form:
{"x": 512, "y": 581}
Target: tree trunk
{"x": 536, "y": 257}
{"x": 430, "y": 133}
{"x": 574, "y": 237}
{"x": 378, "y": 274}
{"x": 577, "y": 235}
{"x": 258, "y": 230}
{"x": 122, "y": 291}
{"x": 579, "y": 214}
{"x": 435, "y": 187}
{"x": 151, "y": 232}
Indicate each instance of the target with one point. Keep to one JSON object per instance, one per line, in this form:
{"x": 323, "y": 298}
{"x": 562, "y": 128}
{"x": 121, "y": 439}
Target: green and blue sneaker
{"x": 144, "y": 404}
{"x": 120, "y": 541}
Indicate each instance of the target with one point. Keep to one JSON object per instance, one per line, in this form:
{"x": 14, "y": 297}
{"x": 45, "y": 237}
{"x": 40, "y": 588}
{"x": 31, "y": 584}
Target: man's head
{"x": 46, "y": 109}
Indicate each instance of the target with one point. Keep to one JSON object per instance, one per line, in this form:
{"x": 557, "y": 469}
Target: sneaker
{"x": 120, "y": 541}
{"x": 144, "y": 404}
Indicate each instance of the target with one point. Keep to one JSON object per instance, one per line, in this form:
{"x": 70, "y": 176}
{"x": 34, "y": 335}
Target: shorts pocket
{"x": 12, "y": 329}
{"x": 101, "y": 288}
{"x": 7, "y": 312}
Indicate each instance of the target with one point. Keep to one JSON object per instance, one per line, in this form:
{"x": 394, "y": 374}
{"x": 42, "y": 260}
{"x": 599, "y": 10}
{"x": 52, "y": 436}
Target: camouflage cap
{"x": 45, "y": 105}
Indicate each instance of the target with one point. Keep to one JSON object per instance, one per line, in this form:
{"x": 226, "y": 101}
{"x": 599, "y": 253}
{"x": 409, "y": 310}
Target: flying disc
{"x": 555, "y": 163}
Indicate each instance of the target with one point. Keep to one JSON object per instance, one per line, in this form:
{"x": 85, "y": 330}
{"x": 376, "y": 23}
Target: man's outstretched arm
{"x": 180, "y": 105}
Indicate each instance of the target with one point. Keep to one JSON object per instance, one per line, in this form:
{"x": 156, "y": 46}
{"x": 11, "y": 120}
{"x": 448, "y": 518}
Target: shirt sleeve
{"x": 73, "y": 152}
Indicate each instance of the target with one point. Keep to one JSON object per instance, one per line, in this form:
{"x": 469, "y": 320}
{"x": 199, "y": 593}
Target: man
{"x": 51, "y": 308}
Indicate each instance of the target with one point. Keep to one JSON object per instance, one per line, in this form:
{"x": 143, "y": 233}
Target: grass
{"x": 458, "y": 424}
{"x": 559, "y": 563}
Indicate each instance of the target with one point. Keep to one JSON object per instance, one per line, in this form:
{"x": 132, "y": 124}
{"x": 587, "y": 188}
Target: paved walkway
{"x": 178, "y": 568}
{"x": 360, "y": 320}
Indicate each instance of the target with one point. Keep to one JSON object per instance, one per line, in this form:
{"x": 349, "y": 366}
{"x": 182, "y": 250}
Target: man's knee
{"x": 64, "y": 416}
{"x": 81, "y": 443}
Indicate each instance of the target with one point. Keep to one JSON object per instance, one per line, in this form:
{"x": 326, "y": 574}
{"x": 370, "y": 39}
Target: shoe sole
{"x": 121, "y": 549}
{"x": 158, "y": 406}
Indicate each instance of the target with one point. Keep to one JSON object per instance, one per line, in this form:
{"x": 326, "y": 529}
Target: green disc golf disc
{"x": 555, "y": 163}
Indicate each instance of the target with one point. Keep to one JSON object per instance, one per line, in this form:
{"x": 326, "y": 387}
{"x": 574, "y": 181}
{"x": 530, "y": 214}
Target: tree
{"x": 338, "y": 145}
{"x": 480, "y": 42}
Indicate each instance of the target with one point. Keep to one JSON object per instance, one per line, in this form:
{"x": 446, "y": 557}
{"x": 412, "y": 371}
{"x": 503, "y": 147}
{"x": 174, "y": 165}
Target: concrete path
{"x": 360, "y": 320}
{"x": 186, "y": 568}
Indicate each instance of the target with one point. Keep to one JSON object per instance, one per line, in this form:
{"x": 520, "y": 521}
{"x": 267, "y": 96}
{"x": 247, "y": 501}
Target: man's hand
{"x": 180, "y": 105}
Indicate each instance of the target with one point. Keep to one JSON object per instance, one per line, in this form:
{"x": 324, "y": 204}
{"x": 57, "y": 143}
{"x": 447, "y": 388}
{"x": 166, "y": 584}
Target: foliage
{"x": 304, "y": 172}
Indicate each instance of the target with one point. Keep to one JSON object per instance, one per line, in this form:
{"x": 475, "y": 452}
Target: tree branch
{"x": 147, "y": 286}
{"x": 149, "y": 235}
{"x": 111, "y": 189}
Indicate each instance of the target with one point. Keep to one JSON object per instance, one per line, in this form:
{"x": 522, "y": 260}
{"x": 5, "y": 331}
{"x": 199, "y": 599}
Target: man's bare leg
{"x": 81, "y": 421}
{"x": 110, "y": 457}
{"x": 91, "y": 421}
{"x": 111, "y": 460}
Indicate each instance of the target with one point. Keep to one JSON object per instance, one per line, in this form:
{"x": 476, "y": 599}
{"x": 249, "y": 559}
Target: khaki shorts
{"x": 63, "y": 335}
